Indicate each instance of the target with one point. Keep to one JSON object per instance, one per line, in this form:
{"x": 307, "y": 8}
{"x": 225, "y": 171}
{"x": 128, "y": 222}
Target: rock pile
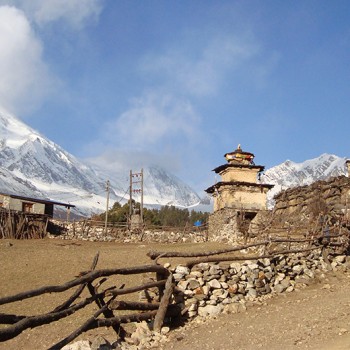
{"x": 209, "y": 288}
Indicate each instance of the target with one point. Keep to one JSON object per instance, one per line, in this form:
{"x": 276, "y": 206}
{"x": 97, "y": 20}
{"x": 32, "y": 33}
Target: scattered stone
{"x": 215, "y": 284}
{"x": 210, "y": 310}
{"x": 79, "y": 345}
{"x": 100, "y": 343}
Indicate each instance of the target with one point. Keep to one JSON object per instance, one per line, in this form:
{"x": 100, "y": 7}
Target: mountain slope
{"x": 32, "y": 165}
{"x": 291, "y": 174}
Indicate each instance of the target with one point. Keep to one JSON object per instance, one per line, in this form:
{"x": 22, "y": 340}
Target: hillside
{"x": 290, "y": 174}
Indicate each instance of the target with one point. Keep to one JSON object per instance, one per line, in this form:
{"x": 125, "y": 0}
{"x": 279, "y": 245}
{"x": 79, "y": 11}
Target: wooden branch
{"x": 106, "y": 311}
{"x": 86, "y": 326}
{"x": 247, "y": 257}
{"x": 93, "y": 322}
{"x": 154, "y": 254}
{"x": 96, "y": 323}
{"x": 35, "y": 321}
{"x": 79, "y": 290}
{"x": 10, "y": 319}
{"x": 88, "y": 277}
{"x": 159, "y": 319}
{"x": 130, "y": 305}
{"x": 136, "y": 288}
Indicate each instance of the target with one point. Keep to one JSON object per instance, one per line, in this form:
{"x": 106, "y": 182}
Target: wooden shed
{"x": 31, "y": 205}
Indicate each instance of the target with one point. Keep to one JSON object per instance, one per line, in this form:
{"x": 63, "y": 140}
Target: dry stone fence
{"x": 90, "y": 230}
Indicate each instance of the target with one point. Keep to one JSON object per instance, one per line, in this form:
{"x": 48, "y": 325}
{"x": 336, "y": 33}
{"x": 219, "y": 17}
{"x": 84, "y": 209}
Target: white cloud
{"x": 121, "y": 160}
{"x": 203, "y": 73}
{"x": 25, "y": 79}
{"x": 152, "y": 119}
{"x": 75, "y": 12}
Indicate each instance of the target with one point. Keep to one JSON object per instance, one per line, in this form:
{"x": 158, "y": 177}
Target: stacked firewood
{"x": 20, "y": 225}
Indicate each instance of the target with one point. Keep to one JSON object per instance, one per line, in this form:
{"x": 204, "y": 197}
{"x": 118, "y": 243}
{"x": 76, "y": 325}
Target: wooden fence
{"x": 105, "y": 300}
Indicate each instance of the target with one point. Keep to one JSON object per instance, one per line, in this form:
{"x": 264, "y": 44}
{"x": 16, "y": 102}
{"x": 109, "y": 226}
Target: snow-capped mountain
{"x": 290, "y": 174}
{"x": 31, "y": 165}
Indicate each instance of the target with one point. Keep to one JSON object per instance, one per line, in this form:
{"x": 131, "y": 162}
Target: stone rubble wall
{"x": 210, "y": 289}
{"x": 85, "y": 231}
{"x": 223, "y": 226}
{"x": 332, "y": 193}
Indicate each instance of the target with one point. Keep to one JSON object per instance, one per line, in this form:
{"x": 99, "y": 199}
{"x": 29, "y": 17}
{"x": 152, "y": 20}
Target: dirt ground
{"x": 317, "y": 317}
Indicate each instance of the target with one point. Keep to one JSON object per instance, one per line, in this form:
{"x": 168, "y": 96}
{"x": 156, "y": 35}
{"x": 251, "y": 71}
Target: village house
{"x": 31, "y": 205}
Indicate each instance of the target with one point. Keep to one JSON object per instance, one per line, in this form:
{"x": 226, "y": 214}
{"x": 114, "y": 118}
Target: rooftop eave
{"x": 36, "y": 200}
{"x": 212, "y": 189}
{"x": 220, "y": 168}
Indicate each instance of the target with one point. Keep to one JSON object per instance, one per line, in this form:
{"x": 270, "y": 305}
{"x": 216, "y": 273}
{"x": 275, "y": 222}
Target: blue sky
{"x": 180, "y": 83}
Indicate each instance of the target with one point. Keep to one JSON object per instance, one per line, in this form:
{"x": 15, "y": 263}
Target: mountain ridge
{"x": 291, "y": 174}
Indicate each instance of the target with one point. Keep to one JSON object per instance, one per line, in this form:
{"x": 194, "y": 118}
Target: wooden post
{"x": 68, "y": 214}
{"x": 107, "y": 204}
{"x": 159, "y": 319}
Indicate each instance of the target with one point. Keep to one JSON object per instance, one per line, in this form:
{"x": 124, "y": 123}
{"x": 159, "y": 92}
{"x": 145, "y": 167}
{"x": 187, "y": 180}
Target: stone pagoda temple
{"x": 240, "y": 195}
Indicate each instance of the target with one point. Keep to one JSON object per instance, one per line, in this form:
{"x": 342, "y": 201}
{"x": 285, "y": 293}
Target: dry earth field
{"x": 317, "y": 317}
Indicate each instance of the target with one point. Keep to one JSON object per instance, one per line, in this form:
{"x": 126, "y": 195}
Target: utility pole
{"x": 141, "y": 209}
{"x": 139, "y": 183}
{"x": 130, "y": 190}
{"x": 107, "y": 205}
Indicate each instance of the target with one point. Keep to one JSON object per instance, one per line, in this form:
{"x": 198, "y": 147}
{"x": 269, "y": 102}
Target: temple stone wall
{"x": 240, "y": 174}
{"x": 223, "y": 226}
{"x": 241, "y": 197}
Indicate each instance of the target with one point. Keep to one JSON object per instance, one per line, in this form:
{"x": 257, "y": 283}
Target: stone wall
{"x": 209, "y": 289}
{"x": 240, "y": 174}
{"x": 329, "y": 196}
{"x": 223, "y": 226}
{"x": 83, "y": 230}
{"x": 230, "y": 225}
{"x": 252, "y": 197}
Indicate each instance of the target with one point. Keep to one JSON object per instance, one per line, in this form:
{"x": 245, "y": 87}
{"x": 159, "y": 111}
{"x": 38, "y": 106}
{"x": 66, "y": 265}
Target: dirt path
{"x": 317, "y": 317}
